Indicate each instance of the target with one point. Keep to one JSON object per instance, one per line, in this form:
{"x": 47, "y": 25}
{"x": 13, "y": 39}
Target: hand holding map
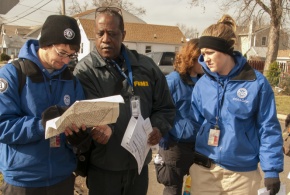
{"x": 92, "y": 112}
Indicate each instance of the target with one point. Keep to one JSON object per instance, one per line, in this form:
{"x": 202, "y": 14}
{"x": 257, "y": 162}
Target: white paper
{"x": 135, "y": 139}
{"x": 91, "y": 113}
{"x": 148, "y": 127}
{"x": 264, "y": 191}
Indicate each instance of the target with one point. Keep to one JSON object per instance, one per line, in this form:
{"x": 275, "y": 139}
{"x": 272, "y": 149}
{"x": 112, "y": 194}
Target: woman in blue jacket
{"x": 235, "y": 106}
{"x": 31, "y": 164}
{"x": 177, "y": 147}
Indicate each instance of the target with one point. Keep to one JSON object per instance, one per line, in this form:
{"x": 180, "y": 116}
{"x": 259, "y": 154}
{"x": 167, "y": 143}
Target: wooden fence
{"x": 259, "y": 65}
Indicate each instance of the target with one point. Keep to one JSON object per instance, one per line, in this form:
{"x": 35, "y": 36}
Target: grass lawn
{"x": 1, "y": 180}
{"x": 283, "y": 104}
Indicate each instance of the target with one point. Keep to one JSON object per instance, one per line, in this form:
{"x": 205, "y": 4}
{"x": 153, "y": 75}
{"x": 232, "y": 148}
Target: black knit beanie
{"x": 60, "y": 29}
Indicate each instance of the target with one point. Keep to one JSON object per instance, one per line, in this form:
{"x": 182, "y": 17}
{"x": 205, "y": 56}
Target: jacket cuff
{"x": 271, "y": 174}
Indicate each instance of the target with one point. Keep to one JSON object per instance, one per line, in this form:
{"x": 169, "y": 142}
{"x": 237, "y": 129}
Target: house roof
{"x": 257, "y": 51}
{"x": 153, "y": 33}
{"x": 244, "y": 30}
{"x": 136, "y": 32}
{"x": 12, "y": 29}
{"x": 283, "y": 53}
{"x": 34, "y": 33}
{"x": 14, "y": 41}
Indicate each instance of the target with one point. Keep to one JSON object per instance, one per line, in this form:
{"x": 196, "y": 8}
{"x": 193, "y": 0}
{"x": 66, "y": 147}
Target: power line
{"x": 29, "y": 13}
{"x": 12, "y": 18}
{"x": 40, "y": 9}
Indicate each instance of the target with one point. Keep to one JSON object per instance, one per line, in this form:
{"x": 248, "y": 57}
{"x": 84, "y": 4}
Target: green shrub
{"x": 4, "y": 57}
{"x": 273, "y": 74}
{"x": 285, "y": 84}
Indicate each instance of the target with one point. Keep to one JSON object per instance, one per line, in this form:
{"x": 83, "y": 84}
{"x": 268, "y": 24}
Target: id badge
{"x": 213, "y": 138}
{"x": 135, "y": 106}
{"x": 54, "y": 141}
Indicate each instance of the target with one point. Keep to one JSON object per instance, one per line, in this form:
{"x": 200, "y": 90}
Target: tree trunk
{"x": 273, "y": 44}
{"x": 273, "y": 47}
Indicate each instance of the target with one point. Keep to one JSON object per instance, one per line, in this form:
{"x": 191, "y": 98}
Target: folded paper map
{"x": 91, "y": 113}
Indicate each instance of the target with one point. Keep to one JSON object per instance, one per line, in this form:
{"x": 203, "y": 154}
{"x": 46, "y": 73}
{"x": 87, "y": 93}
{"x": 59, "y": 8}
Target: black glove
{"x": 52, "y": 112}
{"x": 272, "y": 184}
{"x": 80, "y": 140}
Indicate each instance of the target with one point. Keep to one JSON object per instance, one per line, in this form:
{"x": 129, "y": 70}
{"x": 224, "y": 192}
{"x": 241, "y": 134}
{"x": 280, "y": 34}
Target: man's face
{"x": 109, "y": 37}
{"x": 56, "y": 56}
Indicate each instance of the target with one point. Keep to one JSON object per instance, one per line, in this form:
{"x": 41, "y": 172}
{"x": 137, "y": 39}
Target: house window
{"x": 82, "y": 48}
{"x": 147, "y": 49}
{"x": 264, "y": 41}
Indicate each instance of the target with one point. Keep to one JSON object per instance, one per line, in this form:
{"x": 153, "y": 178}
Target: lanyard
{"x": 123, "y": 74}
{"x": 127, "y": 61}
{"x": 128, "y": 64}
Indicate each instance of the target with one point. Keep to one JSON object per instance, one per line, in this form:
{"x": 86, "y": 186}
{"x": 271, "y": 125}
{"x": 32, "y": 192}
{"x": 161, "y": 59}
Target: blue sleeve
{"x": 270, "y": 133}
{"x": 14, "y": 127}
{"x": 195, "y": 107}
{"x": 172, "y": 86}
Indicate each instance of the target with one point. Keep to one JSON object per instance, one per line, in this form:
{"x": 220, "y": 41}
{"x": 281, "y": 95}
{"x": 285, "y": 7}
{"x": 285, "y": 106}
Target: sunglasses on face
{"x": 108, "y": 9}
{"x": 65, "y": 55}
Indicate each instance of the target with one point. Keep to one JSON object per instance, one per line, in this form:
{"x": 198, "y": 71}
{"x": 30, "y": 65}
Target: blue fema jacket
{"x": 245, "y": 106}
{"x": 26, "y": 158}
{"x": 181, "y": 90}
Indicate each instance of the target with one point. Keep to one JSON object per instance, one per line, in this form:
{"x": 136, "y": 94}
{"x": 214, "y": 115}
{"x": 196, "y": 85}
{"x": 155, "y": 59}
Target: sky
{"x": 161, "y": 12}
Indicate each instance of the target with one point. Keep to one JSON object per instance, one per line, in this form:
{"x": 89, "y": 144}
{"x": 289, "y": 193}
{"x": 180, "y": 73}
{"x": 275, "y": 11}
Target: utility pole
{"x": 63, "y": 7}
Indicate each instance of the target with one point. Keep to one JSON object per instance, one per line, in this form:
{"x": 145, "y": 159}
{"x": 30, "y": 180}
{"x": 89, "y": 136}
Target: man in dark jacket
{"x": 31, "y": 164}
{"x": 112, "y": 69}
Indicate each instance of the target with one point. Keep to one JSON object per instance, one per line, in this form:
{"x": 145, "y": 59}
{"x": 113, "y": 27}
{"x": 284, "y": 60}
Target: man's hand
{"x": 52, "y": 112}
{"x": 154, "y": 136}
{"x": 101, "y": 133}
{"x": 78, "y": 138}
{"x": 272, "y": 184}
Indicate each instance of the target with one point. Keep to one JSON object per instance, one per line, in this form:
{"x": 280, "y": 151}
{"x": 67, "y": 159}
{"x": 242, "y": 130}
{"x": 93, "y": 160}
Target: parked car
{"x": 164, "y": 60}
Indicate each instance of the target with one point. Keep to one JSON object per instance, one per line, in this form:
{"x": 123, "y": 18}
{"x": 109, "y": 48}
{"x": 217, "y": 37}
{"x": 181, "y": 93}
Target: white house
{"x": 140, "y": 36}
{"x": 253, "y": 40}
{"x": 143, "y": 38}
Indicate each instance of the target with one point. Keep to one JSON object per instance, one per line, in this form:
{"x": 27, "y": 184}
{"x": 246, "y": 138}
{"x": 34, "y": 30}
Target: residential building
{"x": 13, "y": 37}
{"x": 141, "y": 37}
{"x": 253, "y": 40}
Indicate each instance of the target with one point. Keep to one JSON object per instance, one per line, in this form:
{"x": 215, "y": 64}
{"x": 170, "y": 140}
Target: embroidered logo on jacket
{"x": 3, "y": 85}
{"x": 141, "y": 83}
{"x": 66, "y": 100}
{"x": 242, "y": 93}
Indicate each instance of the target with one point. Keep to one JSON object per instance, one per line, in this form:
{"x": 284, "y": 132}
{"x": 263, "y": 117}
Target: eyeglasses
{"x": 73, "y": 56}
{"x": 109, "y": 9}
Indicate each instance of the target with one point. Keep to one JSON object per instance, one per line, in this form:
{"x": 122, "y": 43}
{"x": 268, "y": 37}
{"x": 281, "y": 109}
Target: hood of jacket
{"x": 29, "y": 51}
{"x": 239, "y": 60}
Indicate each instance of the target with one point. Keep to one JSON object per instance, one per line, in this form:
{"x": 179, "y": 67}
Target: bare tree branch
{"x": 79, "y": 6}
{"x": 276, "y": 10}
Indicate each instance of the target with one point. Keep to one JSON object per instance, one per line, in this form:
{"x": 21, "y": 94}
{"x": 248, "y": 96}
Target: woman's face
{"x": 217, "y": 61}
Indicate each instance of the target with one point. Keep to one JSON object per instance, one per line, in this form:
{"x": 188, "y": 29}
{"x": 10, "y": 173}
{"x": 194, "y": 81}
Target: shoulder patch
{"x": 3, "y": 85}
